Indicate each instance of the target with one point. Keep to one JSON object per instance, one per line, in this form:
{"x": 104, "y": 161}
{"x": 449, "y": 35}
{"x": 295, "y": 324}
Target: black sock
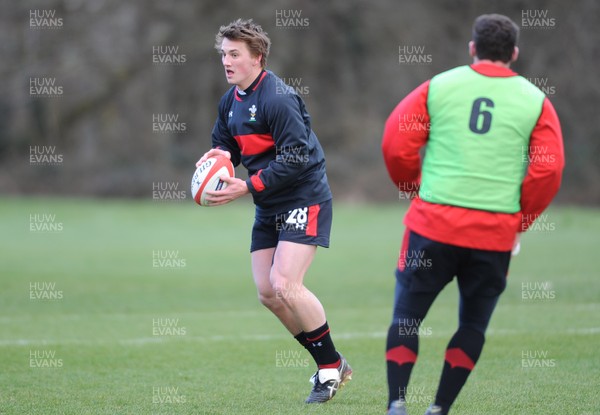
{"x": 301, "y": 337}
{"x": 462, "y": 353}
{"x": 402, "y": 348}
{"x": 323, "y": 350}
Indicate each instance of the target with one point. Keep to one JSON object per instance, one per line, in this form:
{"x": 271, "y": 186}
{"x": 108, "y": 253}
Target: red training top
{"x": 457, "y": 225}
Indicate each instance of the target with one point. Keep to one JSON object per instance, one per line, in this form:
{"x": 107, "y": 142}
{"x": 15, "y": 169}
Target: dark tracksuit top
{"x": 267, "y": 129}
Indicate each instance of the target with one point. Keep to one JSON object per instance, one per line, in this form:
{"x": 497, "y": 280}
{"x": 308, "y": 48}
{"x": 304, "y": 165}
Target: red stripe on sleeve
{"x": 313, "y": 220}
{"x": 251, "y": 144}
{"x": 258, "y": 184}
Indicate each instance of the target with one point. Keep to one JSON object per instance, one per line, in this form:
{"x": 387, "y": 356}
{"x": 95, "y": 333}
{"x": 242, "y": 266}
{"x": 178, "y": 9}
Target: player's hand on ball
{"x": 235, "y": 188}
{"x": 211, "y": 153}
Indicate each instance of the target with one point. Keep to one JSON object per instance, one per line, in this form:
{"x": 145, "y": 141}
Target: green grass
{"x": 223, "y": 361}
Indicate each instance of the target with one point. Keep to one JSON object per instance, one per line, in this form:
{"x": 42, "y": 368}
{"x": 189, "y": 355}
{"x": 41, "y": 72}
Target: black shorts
{"x": 308, "y": 225}
{"x": 425, "y": 267}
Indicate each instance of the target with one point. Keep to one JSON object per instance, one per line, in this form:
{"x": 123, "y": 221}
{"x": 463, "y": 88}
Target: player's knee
{"x": 286, "y": 290}
{"x": 269, "y": 300}
{"x": 278, "y": 282}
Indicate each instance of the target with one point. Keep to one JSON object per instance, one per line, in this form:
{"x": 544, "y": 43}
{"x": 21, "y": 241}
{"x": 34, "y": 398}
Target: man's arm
{"x": 406, "y": 131}
{"x": 546, "y": 163}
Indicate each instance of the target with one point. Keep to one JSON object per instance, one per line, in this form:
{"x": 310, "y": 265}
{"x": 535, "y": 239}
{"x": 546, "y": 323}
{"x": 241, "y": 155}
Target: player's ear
{"x": 472, "y": 50}
{"x": 515, "y": 54}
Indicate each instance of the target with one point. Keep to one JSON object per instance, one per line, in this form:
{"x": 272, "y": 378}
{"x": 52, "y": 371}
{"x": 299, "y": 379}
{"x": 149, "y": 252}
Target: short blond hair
{"x": 248, "y": 32}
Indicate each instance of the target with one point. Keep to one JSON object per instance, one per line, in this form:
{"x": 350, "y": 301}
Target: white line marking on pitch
{"x": 259, "y": 337}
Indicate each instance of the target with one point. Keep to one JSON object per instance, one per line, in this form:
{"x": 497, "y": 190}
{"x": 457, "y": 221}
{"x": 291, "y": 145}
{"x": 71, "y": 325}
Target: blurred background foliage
{"x": 344, "y": 56}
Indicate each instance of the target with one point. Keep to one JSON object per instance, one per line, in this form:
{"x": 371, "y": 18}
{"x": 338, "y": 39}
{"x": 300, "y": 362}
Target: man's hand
{"x": 213, "y": 152}
{"x": 235, "y": 188}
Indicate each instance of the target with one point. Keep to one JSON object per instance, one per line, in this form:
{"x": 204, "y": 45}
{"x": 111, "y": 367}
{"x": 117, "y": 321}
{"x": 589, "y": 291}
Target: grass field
{"x": 123, "y": 307}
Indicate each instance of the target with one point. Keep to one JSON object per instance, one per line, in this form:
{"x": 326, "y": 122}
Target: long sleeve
{"x": 406, "y": 131}
{"x": 546, "y": 162}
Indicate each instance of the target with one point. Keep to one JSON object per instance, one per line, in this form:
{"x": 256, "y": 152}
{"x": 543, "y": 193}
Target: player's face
{"x": 241, "y": 68}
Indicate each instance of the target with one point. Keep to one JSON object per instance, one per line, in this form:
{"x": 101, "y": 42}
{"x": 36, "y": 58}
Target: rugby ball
{"x": 207, "y": 177}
